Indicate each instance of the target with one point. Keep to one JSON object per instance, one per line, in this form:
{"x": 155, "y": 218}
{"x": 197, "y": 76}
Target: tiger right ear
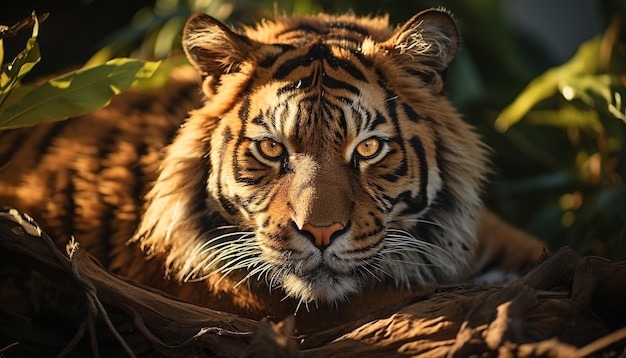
{"x": 213, "y": 48}
{"x": 430, "y": 39}
{"x": 430, "y": 34}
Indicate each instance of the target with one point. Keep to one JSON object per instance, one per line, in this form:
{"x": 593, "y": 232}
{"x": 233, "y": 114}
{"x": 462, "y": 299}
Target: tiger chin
{"x": 324, "y": 168}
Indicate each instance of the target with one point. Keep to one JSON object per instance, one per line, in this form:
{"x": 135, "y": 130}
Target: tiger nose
{"x": 322, "y": 234}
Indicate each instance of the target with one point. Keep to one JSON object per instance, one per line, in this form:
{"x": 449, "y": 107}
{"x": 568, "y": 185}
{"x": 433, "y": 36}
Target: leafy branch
{"x": 65, "y": 96}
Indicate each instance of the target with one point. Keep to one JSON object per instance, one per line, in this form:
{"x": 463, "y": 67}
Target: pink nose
{"x": 322, "y": 234}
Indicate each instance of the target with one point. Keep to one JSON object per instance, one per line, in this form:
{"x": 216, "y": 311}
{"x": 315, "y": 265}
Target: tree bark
{"x": 566, "y": 306}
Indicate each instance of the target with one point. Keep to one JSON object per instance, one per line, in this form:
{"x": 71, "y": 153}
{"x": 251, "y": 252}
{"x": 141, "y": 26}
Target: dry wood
{"x": 566, "y": 306}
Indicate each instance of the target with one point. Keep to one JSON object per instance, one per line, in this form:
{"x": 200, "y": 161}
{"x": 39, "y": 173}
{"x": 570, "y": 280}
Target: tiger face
{"x": 326, "y": 158}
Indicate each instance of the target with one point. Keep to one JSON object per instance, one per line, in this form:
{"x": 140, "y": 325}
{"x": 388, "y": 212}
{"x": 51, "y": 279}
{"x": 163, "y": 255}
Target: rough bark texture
{"x": 51, "y": 304}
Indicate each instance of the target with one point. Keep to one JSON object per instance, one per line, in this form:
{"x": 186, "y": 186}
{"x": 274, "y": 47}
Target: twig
{"x": 77, "y": 337}
{"x": 222, "y": 332}
{"x": 95, "y": 307}
{"x": 95, "y": 304}
{"x": 603, "y": 343}
{"x": 26, "y": 23}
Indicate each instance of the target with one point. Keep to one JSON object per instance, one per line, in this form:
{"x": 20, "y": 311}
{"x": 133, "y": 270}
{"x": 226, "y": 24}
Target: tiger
{"x": 309, "y": 165}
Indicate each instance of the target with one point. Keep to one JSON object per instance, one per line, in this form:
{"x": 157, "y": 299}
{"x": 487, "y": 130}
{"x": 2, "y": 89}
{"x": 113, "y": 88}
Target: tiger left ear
{"x": 213, "y": 48}
{"x": 429, "y": 38}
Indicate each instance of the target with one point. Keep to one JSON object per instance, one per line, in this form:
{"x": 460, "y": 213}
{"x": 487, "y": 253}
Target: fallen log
{"x": 68, "y": 304}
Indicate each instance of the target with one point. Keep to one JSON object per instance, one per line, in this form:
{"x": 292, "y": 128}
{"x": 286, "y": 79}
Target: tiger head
{"x": 325, "y": 158}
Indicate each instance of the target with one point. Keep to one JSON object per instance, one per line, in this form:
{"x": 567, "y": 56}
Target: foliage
{"x": 154, "y": 32}
{"x": 13, "y": 72}
{"x": 558, "y": 132}
{"x": 583, "y": 98}
{"x": 65, "y": 96}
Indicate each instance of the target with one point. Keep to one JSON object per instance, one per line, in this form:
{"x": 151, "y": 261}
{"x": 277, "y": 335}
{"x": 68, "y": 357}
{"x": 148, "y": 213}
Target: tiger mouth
{"x": 310, "y": 276}
{"x": 323, "y": 273}
{"x": 321, "y": 284}
{"x": 319, "y": 275}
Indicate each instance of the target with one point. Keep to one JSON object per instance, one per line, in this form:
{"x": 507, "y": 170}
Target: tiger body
{"x": 324, "y": 168}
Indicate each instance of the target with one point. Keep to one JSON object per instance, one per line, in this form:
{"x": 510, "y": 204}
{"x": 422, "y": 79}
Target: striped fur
{"x": 319, "y": 86}
{"x": 244, "y": 224}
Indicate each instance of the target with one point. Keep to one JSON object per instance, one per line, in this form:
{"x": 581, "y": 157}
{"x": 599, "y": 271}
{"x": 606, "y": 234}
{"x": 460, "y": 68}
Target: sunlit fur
{"x": 191, "y": 204}
{"x": 319, "y": 85}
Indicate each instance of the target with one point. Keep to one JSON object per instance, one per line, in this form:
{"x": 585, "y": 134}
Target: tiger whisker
{"x": 411, "y": 263}
{"x": 234, "y": 266}
{"x": 370, "y": 272}
{"x": 298, "y": 306}
{"x": 376, "y": 265}
{"x": 230, "y": 249}
{"x": 404, "y": 251}
{"x": 228, "y": 252}
{"x": 209, "y": 245}
{"x": 255, "y": 270}
{"x": 404, "y": 241}
{"x": 439, "y": 225}
{"x": 422, "y": 221}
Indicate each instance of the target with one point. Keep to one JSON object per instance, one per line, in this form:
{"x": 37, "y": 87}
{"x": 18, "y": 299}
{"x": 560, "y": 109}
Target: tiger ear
{"x": 430, "y": 38}
{"x": 213, "y": 48}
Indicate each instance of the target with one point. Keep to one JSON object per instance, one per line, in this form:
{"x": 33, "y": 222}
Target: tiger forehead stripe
{"x": 345, "y": 27}
{"x": 318, "y": 52}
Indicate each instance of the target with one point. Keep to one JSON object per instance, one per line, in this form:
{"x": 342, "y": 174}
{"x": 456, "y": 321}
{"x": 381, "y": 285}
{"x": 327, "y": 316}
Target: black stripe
{"x": 260, "y": 121}
{"x": 379, "y": 228}
{"x": 348, "y": 26}
{"x": 259, "y": 197}
{"x": 17, "y": 138}
{"x": 420, "y": 202}
{"x": 353, "y": 70}
{"x": 290, "y": 65}
{"x": 224, "y": 203}
{"x": 444, "y": 197}
{"x": 109, "y": 145}
{"x": 244, "y": 113}
{"x": 390, "y": 177}
{"x": 392, "y": 108}
{"x": 410, "y": 113}
{"x": 379, "y": 119}
{"x": 305, "y": 82}
{"x": 318, "y": 52}
{"x": 271, "y": 60}
{"x": 44, "y": 145}
{"x": 303, "y": 27}
{"x": 330, "y": 82}
{"x": 70, "y": 200}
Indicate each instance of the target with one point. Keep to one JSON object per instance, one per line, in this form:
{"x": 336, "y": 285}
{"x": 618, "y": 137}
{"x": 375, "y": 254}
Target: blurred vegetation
{"x": 558, "y": 131}
{"x": 68, "y": 95}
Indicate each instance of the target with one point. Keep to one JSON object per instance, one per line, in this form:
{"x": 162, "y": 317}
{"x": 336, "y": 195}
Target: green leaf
{"x": 13, "y": 72}
{"x": 603, "y": 93}
{"x": 547, "y": 84}
{"x": 76, "y": 93}
{"x": 567, "y": 117}
{"x": 163, "y": 74}
{"x": 16, "y": 95}
{"x": 1, "y": 51}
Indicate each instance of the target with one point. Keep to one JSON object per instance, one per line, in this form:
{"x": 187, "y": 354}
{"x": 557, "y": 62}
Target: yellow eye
{"x": 270, "y": 148}
{"x": 369, "y": 148}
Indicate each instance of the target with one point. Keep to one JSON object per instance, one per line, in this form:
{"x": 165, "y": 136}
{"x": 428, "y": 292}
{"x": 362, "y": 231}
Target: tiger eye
{"x": 369, "y": 148}
{"x": 270, "y": 148}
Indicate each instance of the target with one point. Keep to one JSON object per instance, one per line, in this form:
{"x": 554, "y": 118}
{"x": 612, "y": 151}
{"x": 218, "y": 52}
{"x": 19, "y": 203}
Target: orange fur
{"x": 194, "y": 207}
